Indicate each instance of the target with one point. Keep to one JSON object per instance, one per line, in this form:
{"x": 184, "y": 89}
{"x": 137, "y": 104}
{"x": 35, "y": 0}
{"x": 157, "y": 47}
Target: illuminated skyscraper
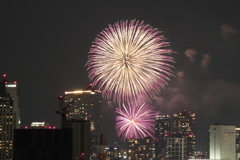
{"x": 176, "y": 147}
{"x": 162, "y": 131}
{"x": 141, "y": 149}
{"x": 9, "y": 116}
{"x": 84, "y": 105}
{"x": 222, "y": 142}
{"x": 184, "y": 124}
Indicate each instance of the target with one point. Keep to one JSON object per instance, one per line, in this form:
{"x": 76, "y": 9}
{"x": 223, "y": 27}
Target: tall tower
{"x": 9, "y": 116}
{"x": 222, "y": 142}
{"x": 162, "y": 131}
{"x": 80, "y": 138}
{"x": 84, "y": 105}
{"x": 176, "y": 147}
{"x": 184, "y": 124}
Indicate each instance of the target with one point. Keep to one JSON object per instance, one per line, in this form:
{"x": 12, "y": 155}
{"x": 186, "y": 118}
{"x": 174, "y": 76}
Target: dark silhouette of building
{"x": 80, "y": 138}
{"x": 39, "y": 144}
{"x": 69, "y": 143}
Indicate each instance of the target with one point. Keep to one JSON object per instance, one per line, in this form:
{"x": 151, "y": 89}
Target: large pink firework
{"x": 129, "y": 59}
{"x": 136, "y": 121}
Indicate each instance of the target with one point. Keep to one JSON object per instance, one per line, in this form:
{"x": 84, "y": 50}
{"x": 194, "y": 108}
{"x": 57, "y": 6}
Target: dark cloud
{"x": 205, "y": 61}
{"x": 190, "y": 53}
{"x": 180, "y": 74}
{"x": 172, "y": 100}
{"x": 199, "y": 93}
{"x": 219, "y": 94}
{"x": 228, "y": 31}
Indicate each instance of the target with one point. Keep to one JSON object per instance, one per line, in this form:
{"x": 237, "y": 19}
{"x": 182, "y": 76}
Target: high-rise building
{"x": 184, "y": 124}
{"x": 98, "y": 151}
{"x": 176, "y": 147}
{"x": 9, "y": 116}
{"x": 84, "y": 105}
{"x": 143, "y": 149}
{"x": 162, "y": 131}
{"x": 80, "y": 138}
{"x": 222, "y": 142}
{"x": 80, "y": 111}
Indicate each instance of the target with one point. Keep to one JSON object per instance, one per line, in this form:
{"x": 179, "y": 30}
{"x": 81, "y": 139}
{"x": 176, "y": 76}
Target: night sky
{"x": 45, "y": 45}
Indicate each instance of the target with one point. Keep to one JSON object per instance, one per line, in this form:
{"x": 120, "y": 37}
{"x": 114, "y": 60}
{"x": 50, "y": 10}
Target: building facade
{"x": 176, "y": 148}
{"x": 9, "y": 116}
{"x": 141, "y": 149}
{"x": 112, "y": 153}
{"x": 222, "y": 142}
{"x": 84, "y": 105}
{"x": 184, "y": 124}
{"x": 162, "y": 131}
{"x": 80, "y": 138}
{"x": 39, "y": 144}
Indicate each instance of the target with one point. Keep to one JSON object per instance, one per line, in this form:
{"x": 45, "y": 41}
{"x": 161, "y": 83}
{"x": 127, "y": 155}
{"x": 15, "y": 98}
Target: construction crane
{"x": 62, "y": 108}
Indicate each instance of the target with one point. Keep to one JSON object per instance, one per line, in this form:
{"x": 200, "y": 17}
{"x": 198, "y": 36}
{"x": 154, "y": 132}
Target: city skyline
{"x": 45, "y": 48}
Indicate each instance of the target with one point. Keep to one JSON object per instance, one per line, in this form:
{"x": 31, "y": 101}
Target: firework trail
{"x": 136, "y": 121}
{"x": 129, "y": 59}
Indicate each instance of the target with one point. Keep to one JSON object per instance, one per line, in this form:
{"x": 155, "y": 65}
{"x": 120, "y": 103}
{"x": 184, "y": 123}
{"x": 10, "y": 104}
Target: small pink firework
{"x": 136, "y": 121}
{"x": 129, "y": 59}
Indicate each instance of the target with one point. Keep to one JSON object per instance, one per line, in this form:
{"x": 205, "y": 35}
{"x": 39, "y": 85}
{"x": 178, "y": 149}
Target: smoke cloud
{"x": 180, "y": 74}
{"x": 228, "y": 31}
{"x": 205, "y": 61}
{"x": 190, "y": 53}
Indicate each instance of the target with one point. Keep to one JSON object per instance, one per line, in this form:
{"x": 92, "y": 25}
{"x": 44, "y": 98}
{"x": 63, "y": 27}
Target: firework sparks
{"x": 129, "y": 59}
{"x": 136, "y": 121}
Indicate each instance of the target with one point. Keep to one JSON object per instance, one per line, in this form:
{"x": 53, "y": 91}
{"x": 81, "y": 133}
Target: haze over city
{"x": 45, "y": 48}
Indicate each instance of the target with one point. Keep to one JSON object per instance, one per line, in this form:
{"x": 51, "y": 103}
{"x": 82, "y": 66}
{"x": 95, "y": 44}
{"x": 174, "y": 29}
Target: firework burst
{"x": 129, "y": 59}
{"x": 136, "y": 121}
